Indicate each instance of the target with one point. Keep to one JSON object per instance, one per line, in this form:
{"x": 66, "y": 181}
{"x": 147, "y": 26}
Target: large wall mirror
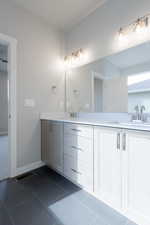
{"x": 117, "y": 83}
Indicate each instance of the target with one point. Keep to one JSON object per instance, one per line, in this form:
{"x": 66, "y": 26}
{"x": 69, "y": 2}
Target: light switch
{"x": 29, "y": 103}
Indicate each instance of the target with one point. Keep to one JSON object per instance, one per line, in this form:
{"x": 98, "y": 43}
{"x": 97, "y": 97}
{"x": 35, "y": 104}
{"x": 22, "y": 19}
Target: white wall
{"x": 39, "y": 52}
{"x": 115, "y": 95}
{"x": 97, "y": 34}
{"x": 111, "y": 93}
{"x": 79, "y": 90}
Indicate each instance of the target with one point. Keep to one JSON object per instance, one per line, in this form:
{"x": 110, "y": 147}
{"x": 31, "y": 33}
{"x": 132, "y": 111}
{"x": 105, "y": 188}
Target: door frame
{"x": 93, "y": 76}
{"x": 11, "y": 43}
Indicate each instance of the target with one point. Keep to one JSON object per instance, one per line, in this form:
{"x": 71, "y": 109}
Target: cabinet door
{"x": 138, "y": 170}
{"x": 55, "y": 145}
{"x": 107, "y": 166}
{"x": 44, "y": 140}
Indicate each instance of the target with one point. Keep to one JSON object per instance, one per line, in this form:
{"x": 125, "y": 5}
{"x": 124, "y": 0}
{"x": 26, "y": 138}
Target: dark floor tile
{"x": 4, "y": 217}
{"x": 13, "y": 194}
{"x": 32, "y": 182}
{"x": 56, "y": 177}
{"x": 49, "y": 192}
{"x": 31, "y": 213}
{"x": 44, "y": 170}
{"x": 51, "y": 174}
{"x": 47, "y": 198}
{"x": 104, "y": 212}
{"x": 69, "y": 187}
{"x": 39, "y": 180}
{"x": 0, "y": 203}
{"x": 46, "y": 190}
{"x": 70, "y": 211}
{"x": 100, "y": 221}
{"x": 130, "y": 223}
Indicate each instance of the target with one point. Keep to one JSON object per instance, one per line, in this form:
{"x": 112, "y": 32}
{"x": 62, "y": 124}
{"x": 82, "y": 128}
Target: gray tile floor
{"x": 46, "y": 198}
{"x": 4, "y": 157}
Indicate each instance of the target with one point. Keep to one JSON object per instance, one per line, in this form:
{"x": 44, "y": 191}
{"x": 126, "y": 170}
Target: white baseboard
{"x": 29, "y": 167}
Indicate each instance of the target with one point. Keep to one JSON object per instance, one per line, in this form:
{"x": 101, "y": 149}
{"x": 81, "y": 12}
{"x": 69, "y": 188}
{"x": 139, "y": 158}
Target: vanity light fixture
{"x": 121, "y": 33}
{"x": 136, "y": 26}
{"x": 75, "y": 58}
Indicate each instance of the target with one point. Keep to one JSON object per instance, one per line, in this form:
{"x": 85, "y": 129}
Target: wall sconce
{"x": 76, "y": 92}
{"x": 136, "y": 26}
{"x": 75, "y": 58}
{"x": 53, "y": 89}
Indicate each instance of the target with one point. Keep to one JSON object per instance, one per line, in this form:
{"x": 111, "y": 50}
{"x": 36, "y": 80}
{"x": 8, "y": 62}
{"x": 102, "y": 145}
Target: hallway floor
{"x": 4, "y": 157}
{"x": 46, "y": 198}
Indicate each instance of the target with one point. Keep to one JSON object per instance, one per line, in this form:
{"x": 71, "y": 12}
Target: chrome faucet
{"x": 139, "y": 113}
{"x": 137, "y": 110}
{"x": 142, "y": 109}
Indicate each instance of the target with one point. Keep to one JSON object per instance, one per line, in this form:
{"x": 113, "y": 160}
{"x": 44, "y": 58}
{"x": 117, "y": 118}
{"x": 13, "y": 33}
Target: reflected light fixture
{"x": 136, "y": 26}
{"x": 74, "y": 59}
{"x": 121, "y": 34}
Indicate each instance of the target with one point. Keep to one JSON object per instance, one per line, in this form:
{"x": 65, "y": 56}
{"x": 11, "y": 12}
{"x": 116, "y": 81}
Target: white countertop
{"x": 96, "y": 122}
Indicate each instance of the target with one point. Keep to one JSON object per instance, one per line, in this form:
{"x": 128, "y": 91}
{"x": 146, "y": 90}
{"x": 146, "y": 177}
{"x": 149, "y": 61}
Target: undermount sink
{"x": 138, "y": 123}
{"x": 141, "y": 124}
{"x": 113, "y": 122}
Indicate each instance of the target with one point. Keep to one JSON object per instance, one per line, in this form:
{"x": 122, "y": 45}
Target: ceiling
{"x": 63, "y": 14}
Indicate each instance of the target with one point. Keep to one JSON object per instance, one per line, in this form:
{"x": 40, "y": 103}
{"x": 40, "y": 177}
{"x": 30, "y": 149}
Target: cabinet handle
{"x": 76, "y": 130}
{"x": 118, "y": 141}
{"x": 75, "y": 171}
{"x": 124, "y": 142}
{"x": 76, "y": 148}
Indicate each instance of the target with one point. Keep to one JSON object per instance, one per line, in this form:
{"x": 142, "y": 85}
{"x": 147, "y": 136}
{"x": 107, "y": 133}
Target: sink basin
{"x": 137, "y": 124}
{"x": 142, "y": 124}
{"x": 113, "y": 122}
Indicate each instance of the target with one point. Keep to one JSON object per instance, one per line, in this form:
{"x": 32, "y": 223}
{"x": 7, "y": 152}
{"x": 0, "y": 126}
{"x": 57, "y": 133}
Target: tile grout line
{"x": 10, "y": 217}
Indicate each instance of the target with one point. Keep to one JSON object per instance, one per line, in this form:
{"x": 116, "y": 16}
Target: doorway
{"x": 7, "y": 107}
{"x": 98, "y": 95}
{"x": 4, "y": 102}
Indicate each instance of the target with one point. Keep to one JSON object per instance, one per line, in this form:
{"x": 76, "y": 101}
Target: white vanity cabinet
{"x": 52, "y": 144}
{"x": 138, "y": 175}
{"x": 108, "y": 165}
{"x": 121, "y": 171}
{"x": 78, "y": 154}
{"x": 113, "y": 164}
{"x": 68, "y": 148}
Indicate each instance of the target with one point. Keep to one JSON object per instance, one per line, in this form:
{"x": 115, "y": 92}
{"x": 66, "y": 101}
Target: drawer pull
{"x": 75, "y": 171}
{"x": 77, "y": 148}
{"x": 76, "y": 130}
{"x": 118, "y": 141}
{"x": 124, "y": 142}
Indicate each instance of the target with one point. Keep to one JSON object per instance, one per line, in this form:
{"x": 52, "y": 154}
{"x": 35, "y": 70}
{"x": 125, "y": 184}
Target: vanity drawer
{"x": 79, "y": 172}
{"x": 78, "y": 129}
{"x": 80, "y": 148}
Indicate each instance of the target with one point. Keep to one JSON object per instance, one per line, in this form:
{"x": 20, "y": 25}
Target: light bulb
{"x": 67, "y": 62}
{"x": 80, "y": 53}
{"x": 139, "y": 28}
{"x": 140, "y": 25}
{"x": 121, "y": 34}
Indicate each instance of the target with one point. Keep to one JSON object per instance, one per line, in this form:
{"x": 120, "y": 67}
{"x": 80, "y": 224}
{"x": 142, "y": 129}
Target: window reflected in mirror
{"x": 139, "y": 91}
